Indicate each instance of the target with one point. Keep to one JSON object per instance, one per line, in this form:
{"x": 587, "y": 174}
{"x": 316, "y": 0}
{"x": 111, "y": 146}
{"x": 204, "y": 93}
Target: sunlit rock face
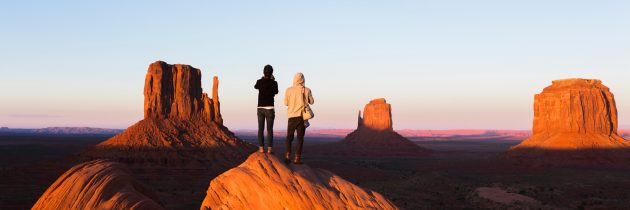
{"x": 265, "y": 182}
{"x": 97, "y": 184}
{"x": 574, "y": 118}
{"x": 174, "y": 91}
{"x": 377, "y": 115}
{"x": 575, "y": 106}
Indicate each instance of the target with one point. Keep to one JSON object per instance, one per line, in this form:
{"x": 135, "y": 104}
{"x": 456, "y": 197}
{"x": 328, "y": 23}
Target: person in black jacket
{"x": 267, "y": 89}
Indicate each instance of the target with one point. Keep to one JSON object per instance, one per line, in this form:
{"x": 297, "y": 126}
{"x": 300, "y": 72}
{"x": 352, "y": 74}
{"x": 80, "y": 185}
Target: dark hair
{"x": 268, "y": 71}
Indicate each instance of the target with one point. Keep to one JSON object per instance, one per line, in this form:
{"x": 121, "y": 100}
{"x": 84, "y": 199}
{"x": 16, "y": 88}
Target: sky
{"x": 441, "y": 64}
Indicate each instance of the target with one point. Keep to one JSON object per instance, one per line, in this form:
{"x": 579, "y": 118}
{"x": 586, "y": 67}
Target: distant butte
{"x": 375, "y": 136}
{"x": 574, "y": 119}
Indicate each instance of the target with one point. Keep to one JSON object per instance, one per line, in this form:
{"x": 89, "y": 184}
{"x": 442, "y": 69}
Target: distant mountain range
{"x": 415, "y": 134}
{"x": 460, "y": 134}
{"x": 320, "y": 133}
{"x": 61, "y": 131}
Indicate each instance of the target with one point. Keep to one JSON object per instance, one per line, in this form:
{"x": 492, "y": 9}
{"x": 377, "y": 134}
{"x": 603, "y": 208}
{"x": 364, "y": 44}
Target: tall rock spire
{"x": 215, "y": 100}
{"x": 359, "y": 121}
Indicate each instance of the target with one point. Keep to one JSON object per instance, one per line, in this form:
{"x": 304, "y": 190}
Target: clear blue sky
{"x": 442, "y": 64}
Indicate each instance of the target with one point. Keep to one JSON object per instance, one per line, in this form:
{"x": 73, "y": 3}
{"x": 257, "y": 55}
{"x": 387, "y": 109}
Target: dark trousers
{"x": 269, "y": 115}
{"x": 295, "y": 124}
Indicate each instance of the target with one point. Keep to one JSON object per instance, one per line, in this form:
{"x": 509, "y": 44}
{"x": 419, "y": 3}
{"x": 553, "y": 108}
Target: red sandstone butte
{"x": 574, "y": 118}
{"x": 181, "y": 125}
{"x": 374, "y": 136}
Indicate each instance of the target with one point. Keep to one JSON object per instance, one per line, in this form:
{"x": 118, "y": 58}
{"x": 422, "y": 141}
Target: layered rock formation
{"x": 374, "y": 136}
{"x": 574, "y": 118}
{"x": 265, "y": 182}
{"x": 181, "y": 142}
{"x": 97, "y": 184}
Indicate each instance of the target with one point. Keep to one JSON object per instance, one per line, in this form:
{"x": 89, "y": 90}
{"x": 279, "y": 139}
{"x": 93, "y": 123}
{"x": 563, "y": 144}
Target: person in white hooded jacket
{"x": 295, "y": 98}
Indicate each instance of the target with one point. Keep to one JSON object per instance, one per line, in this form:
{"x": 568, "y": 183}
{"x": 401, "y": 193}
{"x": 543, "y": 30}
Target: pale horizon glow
{"x": 441, "y": 64}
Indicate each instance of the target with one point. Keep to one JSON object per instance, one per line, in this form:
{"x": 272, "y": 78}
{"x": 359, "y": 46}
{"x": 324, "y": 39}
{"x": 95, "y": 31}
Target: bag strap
{"x": 304, "y": 97}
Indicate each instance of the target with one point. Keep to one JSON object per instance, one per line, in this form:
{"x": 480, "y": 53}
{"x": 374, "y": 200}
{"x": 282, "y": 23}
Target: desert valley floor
{"x": 460, "y": 174}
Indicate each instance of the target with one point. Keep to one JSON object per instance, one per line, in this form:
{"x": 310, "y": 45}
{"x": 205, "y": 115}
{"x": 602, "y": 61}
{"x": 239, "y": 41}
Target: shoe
{"x": 287, "y": 158}
{"x": 297, "y": 160}
{"x": 269, "y": 151}
{"x": 261, "y": 149}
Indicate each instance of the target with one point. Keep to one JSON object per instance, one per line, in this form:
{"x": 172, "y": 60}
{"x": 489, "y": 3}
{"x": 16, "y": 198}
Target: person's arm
{"x": 311, "y": 100}
{"x": 275, "y": 87}
{"x": 286, "y": 100}
{"x": 256, "y": 86}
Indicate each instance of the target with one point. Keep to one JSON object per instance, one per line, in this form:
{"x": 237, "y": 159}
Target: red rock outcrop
{"x": 374, "y": 136}
{"x": 265, "y": 182}
{"x": 97, "y": 184}
{"x": 178, "y": 115}
{"x": 181, "y": 139}
{"x": 574, "y": 118}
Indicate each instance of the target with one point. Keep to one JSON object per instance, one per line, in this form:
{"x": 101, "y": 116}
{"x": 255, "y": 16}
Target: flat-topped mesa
{"x": 574, "y": 119}
{"x": 377, "y": 115}
{"x": 174, "y": 92}
{"x": 575, "y": 106}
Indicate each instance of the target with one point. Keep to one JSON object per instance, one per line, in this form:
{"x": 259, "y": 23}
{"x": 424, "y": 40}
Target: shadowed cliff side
{"x": 575, "y": 120}
{"x": 97, "y": 184}
{"x": 265, "y": 182}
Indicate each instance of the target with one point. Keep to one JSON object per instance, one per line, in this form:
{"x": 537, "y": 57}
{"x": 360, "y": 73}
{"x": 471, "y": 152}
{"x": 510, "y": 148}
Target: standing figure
{"x": 296, "y": 98}
{"x": 267, "y": 89}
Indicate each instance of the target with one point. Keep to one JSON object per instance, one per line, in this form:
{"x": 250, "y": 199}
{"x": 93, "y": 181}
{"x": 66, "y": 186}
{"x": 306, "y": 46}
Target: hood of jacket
{"x": 298, "y": 79}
